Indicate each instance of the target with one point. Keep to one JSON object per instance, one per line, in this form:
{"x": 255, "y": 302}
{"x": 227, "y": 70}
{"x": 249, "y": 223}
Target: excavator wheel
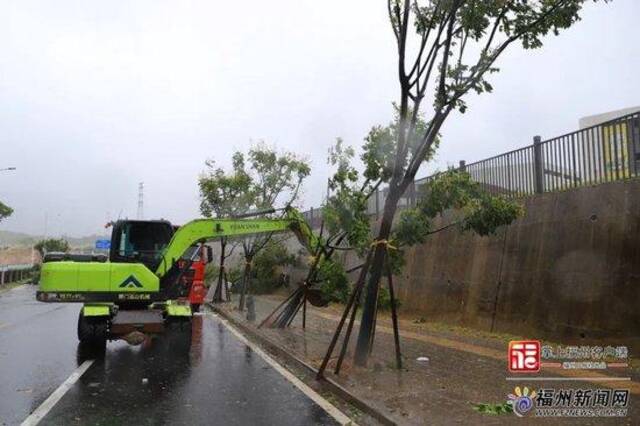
{"x": 178, "y": 334}
{"x": 179, "y": 326}
{"x": 92, "y": 332}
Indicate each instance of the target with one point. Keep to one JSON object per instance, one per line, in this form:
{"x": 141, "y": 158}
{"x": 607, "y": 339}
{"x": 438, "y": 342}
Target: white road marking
{"x": 53, "y": 399}
{"x": 338, "y": 415}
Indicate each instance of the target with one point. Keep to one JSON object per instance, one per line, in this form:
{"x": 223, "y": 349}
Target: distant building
{"x": 617, "y": 145}
{"x": 594, "y": 120}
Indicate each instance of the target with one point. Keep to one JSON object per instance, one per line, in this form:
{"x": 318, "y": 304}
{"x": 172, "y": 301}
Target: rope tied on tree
{"x": 388, "y": 244}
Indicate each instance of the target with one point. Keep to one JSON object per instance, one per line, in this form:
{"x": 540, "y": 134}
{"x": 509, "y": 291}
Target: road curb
{"x": 329, "y": 384}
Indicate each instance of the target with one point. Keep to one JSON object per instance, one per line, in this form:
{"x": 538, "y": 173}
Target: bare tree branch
{"x": 441, "y": 95}
{"x": 391, "y": 19}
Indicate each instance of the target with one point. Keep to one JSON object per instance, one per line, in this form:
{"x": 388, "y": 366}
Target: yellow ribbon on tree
{"x": 386, "y": 243}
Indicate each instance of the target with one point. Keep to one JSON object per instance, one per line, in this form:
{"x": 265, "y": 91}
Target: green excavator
{"x": 140, "y": 286}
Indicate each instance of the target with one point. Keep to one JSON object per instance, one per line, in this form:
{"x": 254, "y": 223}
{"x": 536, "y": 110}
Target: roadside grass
{"x": 411, "y": 322}
{"x": 503, "y": 338}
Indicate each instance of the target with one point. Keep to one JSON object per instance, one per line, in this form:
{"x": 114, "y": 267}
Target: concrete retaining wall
{"x": 569, "y": 268}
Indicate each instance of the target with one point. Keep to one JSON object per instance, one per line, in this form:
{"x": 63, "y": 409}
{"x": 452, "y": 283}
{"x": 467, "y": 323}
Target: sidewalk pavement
{"x": 464, "y": 368}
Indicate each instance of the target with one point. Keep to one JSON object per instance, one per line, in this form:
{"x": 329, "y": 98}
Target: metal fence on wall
{"x": 602, "y": 153}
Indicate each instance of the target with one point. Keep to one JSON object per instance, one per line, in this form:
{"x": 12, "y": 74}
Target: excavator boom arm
{"x": 200, "y": 230}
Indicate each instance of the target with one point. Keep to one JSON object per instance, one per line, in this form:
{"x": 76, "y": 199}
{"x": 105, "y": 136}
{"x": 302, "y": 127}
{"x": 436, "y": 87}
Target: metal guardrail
{"x": 16, "y": 267}
{"x": 15, "y": 272}
{"x": 606, "y": 152}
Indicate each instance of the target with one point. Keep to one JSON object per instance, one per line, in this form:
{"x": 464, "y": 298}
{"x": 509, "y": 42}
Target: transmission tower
{"x": 140, "y": 214}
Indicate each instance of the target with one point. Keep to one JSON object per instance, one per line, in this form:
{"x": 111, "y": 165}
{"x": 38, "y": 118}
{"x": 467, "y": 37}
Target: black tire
{"x": 92, "y": 332}
{"x": 180, "y": 326}
{"x": 178, "y": 335}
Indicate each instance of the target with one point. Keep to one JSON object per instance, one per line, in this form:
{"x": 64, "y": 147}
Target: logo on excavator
{"x": 131, "y": 281}
{"x": 244, "y": 226}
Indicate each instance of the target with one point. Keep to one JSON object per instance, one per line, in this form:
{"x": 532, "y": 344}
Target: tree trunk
{"x": 246, "y": 279}
{"x": 217, "y": 295}
{"x": 370, "y": 308}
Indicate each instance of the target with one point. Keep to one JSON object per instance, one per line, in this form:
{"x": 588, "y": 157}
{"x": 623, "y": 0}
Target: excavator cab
{"x": 140, "y": 241}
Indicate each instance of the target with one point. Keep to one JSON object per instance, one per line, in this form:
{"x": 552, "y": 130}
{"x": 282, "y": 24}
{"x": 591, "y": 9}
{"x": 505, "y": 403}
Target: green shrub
{"x": 212, "y": 270}
{"x": 52, "y": 245}
{"x": 211, "y": 274}
{"x": 335, "y": 283}
{"x": 266, "y": 267}
{"x": 35, "y": 274}
{"x": 384, "y": 298}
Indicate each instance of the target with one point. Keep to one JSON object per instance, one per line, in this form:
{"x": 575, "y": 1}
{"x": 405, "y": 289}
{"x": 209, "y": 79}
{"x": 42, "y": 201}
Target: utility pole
{"x": 46, "y": 222}
{"x": 140, "y": 214}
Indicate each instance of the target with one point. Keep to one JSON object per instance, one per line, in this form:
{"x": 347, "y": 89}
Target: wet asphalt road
{"x": 215, "y": 380}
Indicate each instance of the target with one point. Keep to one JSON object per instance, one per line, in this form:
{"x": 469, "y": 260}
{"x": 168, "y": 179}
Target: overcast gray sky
{"x": 96, "y": 96}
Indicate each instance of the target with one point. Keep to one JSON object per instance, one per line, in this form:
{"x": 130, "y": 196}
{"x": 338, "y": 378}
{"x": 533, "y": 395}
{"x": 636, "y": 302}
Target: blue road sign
{"x": 103, "y": 244}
